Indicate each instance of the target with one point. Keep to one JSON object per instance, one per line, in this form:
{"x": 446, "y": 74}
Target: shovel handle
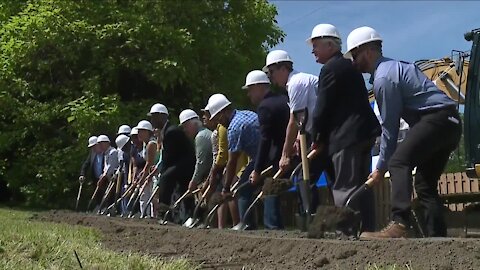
{"x": 267, "y": 170}
{"x": 303, "y": 153}
{"x": 369, "y": 183}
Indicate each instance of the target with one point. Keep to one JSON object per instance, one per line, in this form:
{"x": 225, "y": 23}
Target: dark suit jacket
{"x": 273, "y": 115}
{"x": 342, "y": 116}
{"x": 178, "y": 156}
{"x": 87, "y": 166}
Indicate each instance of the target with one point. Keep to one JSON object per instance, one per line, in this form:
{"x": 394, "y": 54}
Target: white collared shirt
{"x": 302, "y": 93}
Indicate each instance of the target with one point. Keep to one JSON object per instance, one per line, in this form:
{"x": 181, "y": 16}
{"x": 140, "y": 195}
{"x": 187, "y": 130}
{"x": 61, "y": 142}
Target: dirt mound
{"x": 334, "y": 222}
{"x": 276, "y": 186}
{"x": 223, "y": 249}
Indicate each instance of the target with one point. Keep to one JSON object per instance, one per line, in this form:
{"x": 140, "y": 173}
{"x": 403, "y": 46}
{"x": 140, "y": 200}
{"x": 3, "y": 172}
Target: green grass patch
{"x": 29, "y": 244}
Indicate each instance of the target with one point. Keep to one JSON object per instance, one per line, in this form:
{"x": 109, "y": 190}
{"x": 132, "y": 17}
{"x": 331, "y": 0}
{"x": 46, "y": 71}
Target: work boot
{"x": 392, "y": 230}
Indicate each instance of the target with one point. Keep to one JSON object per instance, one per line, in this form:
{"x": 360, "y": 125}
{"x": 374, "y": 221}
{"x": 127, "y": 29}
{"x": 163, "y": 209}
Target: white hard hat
{"x": 158, "y": 108}
{"x": 277, "y": 56}
{"x": 92, "y": 141}
{"x": 255, "y": 77}
{"x": 144, "y": 124}
{"x": 359, "y": 37}
{"x": 216, "y": 103}
{"x": 134, "y": 131}
{"x": 186, "y": 115}
{"x": 103, "y": 138}
{"x": 323, "y": 30}
{"x": 121, "y": 140}
{"x": 124, "y": 129}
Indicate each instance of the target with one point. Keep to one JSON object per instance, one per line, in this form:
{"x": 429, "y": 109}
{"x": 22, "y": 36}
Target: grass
{"x": 29, "y": 244}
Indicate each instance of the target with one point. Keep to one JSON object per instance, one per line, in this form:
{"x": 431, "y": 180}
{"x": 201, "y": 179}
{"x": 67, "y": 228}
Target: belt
{"x": 435, "y": 110}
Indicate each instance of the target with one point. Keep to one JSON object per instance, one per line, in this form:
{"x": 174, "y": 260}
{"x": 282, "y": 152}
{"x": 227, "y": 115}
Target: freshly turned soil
{"x": 225, "y": 249}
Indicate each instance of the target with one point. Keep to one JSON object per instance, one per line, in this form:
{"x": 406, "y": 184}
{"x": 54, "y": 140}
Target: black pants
{"x": 352, "y": 167}
{"x": 321, "y": 163}
{"x": 427, "y": 146}
{"x": 177, "y": 177}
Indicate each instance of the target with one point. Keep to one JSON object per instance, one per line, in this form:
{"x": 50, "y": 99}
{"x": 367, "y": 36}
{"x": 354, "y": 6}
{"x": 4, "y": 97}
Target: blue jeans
{"x": 245, "y": 196}
{"x": 272, "y": 218}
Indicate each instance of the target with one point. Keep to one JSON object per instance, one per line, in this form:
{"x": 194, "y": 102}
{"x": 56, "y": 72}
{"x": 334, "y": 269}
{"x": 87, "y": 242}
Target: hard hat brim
{"x": 219, "y": 110}
{"x": 91, "y": 144}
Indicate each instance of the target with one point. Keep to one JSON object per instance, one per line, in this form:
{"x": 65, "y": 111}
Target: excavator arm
{"x": 472, "y": 107}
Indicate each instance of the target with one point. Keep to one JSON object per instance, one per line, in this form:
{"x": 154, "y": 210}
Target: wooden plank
{"x": 474, "y": 185}
{"x": 442, "y": 184}
{"x": 467, "y": 184}
{"x": 451, "y": 189}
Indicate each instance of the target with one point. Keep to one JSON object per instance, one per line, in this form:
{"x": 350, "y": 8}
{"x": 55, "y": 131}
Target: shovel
{"x": 209, "y": 217}
{"x": 243, "y": 225}
{"x": 78, "y": 196}
{"x": 106, "y": 195}
{"x": 301, "y": 118}
{"x": 137, "y": 199}
{"x": 344, "y": 220}
{"x": 127, "y": 192}
{"x": 210, "y": 214}
{"x": 94, "y": 195}
{"x": 193, "y": 221}
{"x": 164, "y": 220}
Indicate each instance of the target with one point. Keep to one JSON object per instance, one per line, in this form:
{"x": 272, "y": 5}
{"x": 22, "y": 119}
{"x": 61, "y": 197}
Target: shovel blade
{"x": 188, "y": 222}
{"x": 306, "y": 196}
{"x": 194, "y": 223}
{"x": 240, "y": 226}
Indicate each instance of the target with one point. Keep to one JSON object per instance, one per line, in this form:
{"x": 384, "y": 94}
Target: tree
{"x": 70, "y": 69}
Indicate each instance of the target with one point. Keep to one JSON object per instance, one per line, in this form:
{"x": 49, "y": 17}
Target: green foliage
{"x": 69, "y": 69}
{"x": 40, "y": 245}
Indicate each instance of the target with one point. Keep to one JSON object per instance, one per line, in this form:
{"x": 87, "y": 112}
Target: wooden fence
{"x": 450, "y": 187}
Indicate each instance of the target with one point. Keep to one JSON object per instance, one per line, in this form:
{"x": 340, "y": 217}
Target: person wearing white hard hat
{"x": 137, "y": 162}
{"x": 92, "y": 167}
{"x": 124, "y": 129}
{"x": 152, "y": 155}
{"x": 124, "y": 148}
{"x": 178, "y": 159}
{"x": 243, "y": 135}
{"x": 403, "y": 91}
{"x": 302, "y": 92}
{"x": 201, "y": 137}
{"x": 344, "y": 125}
{"x": 273, "y": 116}
{"x": 110, "y": 164}
{"x": 220, "y": 160}
{"x": 158, "y": 115}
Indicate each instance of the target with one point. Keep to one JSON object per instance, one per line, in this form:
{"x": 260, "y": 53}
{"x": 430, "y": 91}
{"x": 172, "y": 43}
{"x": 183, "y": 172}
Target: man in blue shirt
{"x": 273, "y": 116}
{"x": 403, "y": 91}
{"x": 243, "y": 133}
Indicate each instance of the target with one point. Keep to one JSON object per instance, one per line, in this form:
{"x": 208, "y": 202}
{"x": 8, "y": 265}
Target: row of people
{"x": 236, "y": 145}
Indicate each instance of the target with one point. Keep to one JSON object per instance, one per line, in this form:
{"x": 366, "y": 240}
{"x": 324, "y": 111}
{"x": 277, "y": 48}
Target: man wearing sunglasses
{"x": 403, "y": 91}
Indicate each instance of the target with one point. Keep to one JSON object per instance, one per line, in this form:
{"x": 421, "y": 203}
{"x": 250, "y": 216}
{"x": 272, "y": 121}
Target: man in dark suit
{"x": 273, "y": 115}
{"x": 92, "y": 167}
{"x": 343, "y": 122}
{"x": 178, "y": 157}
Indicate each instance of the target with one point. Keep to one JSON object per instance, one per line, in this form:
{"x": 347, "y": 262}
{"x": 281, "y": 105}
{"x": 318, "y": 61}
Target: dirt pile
{"x": 224, "y": 249}
{"x": 276, "y": 186}
{"x": 334, "y": 222}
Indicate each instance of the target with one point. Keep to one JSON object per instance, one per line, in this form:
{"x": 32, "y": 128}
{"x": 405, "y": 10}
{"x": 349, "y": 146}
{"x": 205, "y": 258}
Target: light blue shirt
{"x": 402, "y": 91}
{"x": 98, "y": 165}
